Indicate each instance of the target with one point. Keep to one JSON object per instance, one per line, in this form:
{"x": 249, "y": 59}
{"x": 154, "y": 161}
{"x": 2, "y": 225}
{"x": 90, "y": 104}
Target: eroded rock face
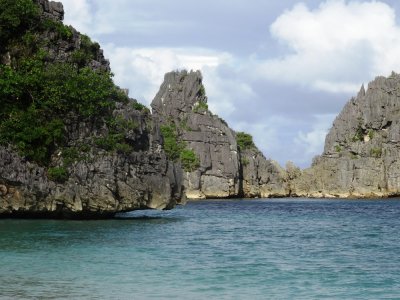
{"x": 51, "y": 9}
{"x": 98, "y": 183}
{"x": 361, "y": 155}
{"x": 61, "y": 50}
{"x": 261, "y": 178}
{"x": 181, "y": 101}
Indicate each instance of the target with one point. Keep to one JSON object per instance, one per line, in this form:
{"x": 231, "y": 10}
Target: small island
{"x": 74, "y": 145}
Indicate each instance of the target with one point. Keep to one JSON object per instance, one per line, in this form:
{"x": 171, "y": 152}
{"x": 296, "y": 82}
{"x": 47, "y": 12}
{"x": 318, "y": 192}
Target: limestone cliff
{"x": 223, "y": 170}
{"x": 100, "y": 183}
{"x": 261, "y": 177}
{"x": 361, "y": 154}
{"x": 108, "y": 159}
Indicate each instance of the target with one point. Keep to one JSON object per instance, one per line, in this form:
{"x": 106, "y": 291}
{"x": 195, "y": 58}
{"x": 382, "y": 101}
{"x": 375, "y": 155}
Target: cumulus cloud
{"x": 79, "y": 14}
{"x": 336, "y": 46}
{"x": 284, "y": 90}
{"x": 310, "y": 143}
{"x": 142, "y": 69}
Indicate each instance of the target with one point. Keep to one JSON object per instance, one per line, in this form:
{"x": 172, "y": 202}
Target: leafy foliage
{"x": 16, "y": 17}
{"x": 202, "y": 91}
{"x": 376, "y": 152}
{"x": 115, "y": 139}
{"x": 36, "y": 96}
{"x": 176, "y": 149}
{"x": 371, "y": 134}
{"x": 244, "y": 141}
{"x": 58, "y": 174}
{"x": 200, "y": 107}
{"x": 189, "y": 159}
{"x": 172, "y": 146}
{"x": 360, "y": 132}
{"x": 140, "y": 107}
{"x": 245, "y": 161}
{"x": 64, "y": 32}
{"x": 87, "y": 52}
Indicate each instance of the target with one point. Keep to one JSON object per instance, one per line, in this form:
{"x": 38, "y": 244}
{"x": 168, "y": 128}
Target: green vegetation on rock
{"x": 189, "y": 159}
{"x": 140, "y": 107}
{"x": 359, "y": 135}
{"x": 38, "y": 95}
{"x": 338, "y": 148}
{"x": 202, "y": 91}
{"x": 244, "y": 141}
{"x": 376, "y": 152}
{"x": 371, "y": 134}
{"x": 58, "y": 174}
{"x": 16, "y": 18}
{"x": 245, "y": 161}
{"x": 172, "y": 146}
{"x": 201, "y": 106}
{"x": 177, "y": 150}
{"x": 115, "y": 139}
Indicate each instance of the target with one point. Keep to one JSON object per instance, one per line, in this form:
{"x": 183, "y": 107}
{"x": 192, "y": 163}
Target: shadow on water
{"x": 149, "y": 216}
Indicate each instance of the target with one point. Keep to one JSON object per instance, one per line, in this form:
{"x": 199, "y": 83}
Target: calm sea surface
{"x": 262, "y": 249}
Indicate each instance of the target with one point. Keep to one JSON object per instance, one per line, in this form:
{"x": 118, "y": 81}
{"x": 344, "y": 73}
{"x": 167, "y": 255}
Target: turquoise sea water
{"x": 261, "y": 249}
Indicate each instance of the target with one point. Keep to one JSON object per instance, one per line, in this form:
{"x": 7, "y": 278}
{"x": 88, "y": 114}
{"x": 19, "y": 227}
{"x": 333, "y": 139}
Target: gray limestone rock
{"x": 181, "y": 102}
{"x": 361, "y": 154}
{"x": 98, "y": 183}
{"x": 50, "y": 9}
{"x": 261, "y": 178}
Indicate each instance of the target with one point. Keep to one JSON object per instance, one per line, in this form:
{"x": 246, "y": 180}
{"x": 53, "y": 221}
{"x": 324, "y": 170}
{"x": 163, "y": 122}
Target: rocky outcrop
{"x": 361, "y": 154}
{"x": 182, "y": 103}
{"x": 261, "y": 178}
{"x": 51, "y": 9}
{"x": 98, "y": 180}
{"x": 100, "y": 183}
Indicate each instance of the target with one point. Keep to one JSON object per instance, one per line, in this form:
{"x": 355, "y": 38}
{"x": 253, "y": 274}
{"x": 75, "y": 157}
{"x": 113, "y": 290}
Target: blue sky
{"x": 280, "y": 70}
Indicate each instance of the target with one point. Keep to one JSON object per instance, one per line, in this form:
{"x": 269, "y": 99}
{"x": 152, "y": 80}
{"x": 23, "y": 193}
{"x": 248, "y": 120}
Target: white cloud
{"x": 224, "y": 92}
{"x": 142, "y": 70}
{"x": 331, "y": 50}
{"x": 78, "y": 14}
{"x": 335, "y": 47}
{"x": 102, "y": 17}
{"x": 309, "y": 144}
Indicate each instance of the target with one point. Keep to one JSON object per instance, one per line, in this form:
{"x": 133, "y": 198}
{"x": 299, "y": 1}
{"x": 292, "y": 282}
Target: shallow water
{"x": 260, "y": 249}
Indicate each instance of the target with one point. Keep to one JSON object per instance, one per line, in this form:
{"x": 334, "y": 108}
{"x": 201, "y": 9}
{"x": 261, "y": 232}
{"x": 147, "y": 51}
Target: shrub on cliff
{"x": 244, "y": 141}
{"x": 172, "y": 146}
{"x": 189, "y": 160}
{"x": 16, "y": 17}
{"x": 177, "y": 150}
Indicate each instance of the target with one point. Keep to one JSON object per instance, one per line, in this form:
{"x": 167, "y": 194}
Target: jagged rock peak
{"x": 361, "y": 154}
{"x": 180, "y": 92}
{"x": 51, "y": 9}
{"x": 223, "y": 169}
{"x": 361, "y": 93}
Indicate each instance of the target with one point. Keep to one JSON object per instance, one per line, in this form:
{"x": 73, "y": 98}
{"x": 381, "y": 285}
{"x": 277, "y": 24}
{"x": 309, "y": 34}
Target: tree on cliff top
{"x": 16, "y": 17}
{"x": 244, "y": 141}
{"x": 36, "y": 94}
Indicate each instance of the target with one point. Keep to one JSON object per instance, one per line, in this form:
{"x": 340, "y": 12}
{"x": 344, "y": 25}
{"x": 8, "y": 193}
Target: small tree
{"x": 189, "y": 159}
{"x": 244, "y": 141}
